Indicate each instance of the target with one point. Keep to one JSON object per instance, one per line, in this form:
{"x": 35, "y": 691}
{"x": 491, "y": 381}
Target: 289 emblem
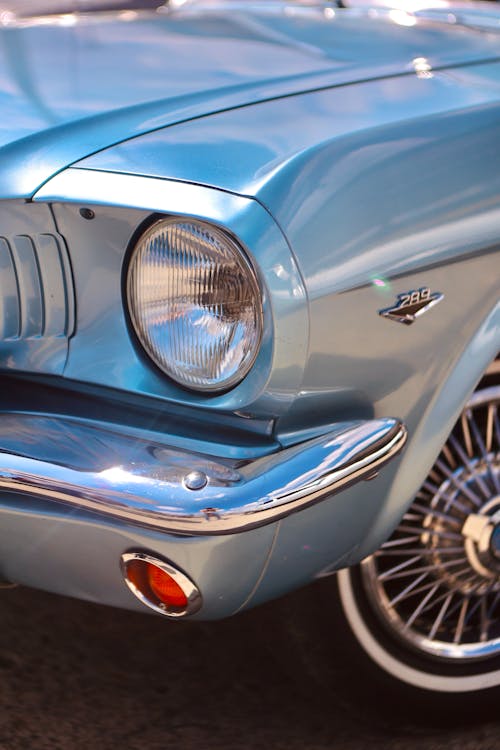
{"x": 411, "y": 304}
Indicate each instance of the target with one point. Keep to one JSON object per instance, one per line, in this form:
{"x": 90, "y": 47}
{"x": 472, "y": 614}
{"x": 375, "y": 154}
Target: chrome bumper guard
{"x": 100, "y": 469}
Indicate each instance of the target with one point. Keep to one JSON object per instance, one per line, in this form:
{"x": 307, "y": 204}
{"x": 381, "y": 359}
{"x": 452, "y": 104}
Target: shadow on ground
{"x": 76, "y": 675}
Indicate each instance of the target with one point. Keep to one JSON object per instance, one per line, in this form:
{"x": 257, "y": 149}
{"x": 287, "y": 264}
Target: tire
{"x": 425, "y": 608}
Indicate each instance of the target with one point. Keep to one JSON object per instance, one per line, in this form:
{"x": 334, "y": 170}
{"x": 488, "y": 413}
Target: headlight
{"x": 195, "y": 303}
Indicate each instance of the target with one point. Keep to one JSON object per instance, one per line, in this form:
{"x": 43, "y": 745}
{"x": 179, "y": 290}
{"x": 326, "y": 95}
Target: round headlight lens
{"x": 195, "y": 303}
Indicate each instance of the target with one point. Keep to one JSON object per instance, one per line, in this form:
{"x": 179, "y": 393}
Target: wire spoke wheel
{"x": 426, "y": 606}
{"x": 436, "y": 582}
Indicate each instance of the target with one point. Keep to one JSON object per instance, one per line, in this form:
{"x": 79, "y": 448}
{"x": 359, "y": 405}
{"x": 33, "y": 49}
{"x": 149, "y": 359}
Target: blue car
{"x": 250, "y": 317}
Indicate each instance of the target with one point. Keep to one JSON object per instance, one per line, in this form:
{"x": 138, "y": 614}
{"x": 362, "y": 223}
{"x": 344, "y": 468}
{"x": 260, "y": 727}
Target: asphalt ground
{"x": 77, "y": 676}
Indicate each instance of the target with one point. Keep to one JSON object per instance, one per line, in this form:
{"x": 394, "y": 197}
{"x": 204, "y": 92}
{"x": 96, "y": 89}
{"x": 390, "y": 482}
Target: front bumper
{"x": 76, "y": 495}
{"x": 99, "y": 468}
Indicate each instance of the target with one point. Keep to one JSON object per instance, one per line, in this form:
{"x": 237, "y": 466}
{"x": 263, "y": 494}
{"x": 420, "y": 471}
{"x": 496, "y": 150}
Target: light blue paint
{"x": 348, "y": 176}
{"x": 70, "y": 89}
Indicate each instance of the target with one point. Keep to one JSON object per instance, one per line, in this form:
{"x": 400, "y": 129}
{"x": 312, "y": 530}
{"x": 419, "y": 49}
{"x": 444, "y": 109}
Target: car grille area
{"x": 36, "y": 291}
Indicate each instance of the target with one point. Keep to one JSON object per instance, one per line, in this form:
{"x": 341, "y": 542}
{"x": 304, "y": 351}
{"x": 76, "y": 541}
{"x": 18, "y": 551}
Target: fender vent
{"x": 36, "y": 295}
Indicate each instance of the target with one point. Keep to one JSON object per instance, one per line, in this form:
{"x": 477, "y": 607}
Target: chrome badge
{"x": 412, "y": 304}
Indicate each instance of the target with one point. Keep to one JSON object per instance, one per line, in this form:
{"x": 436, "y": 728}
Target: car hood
{"x": 73, "y": 84}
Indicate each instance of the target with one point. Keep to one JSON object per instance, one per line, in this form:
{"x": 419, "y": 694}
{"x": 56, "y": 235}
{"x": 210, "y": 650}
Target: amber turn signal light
{"x": 160, "y": 585}
{"x": 165, "y": 587}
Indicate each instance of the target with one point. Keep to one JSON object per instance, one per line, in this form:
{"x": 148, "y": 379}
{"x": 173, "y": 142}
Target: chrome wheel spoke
{"x": 461, "y": 622}
{"x": 496, "y": 421}
{"x": 494, "y": 604}
{"x": 435, "y": 532}
{"x": 401, "y": 541}
{"x": 396, "y": 568}
{"x": 482, "y": 447}
{"x": 440, "y": 617}
{"x": 408, "y": 591}
{"x": 416, "y": 551}
{"x": 438, "y": 514}
{"x": 426, "y": 568}
{"x": 484, "y": 621}
{"x": 421, "y": 606}
{"x": 461, "y": 486}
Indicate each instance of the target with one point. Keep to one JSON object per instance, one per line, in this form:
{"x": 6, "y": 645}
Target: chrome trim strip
{"x": 97, "y": 468}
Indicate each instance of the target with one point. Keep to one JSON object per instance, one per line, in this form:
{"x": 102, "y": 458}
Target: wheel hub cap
{"x": 481, "y": 532}
{"x": 495, "y": 542}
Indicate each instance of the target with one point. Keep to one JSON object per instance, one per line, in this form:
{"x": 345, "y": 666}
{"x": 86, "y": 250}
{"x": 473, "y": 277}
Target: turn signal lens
{"x": 165, "y": 588}
{"x": 195, "y": 303}
{"x": 160, "y": 585}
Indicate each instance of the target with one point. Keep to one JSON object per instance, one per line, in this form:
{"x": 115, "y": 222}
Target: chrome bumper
{"x": 98, "y": 468}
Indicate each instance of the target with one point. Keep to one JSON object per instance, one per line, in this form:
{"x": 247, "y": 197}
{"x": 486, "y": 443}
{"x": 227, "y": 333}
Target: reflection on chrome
{"x": 423, "y": 68}
{"x": 97, "y": 468}
{"x": 402, "y": 18}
